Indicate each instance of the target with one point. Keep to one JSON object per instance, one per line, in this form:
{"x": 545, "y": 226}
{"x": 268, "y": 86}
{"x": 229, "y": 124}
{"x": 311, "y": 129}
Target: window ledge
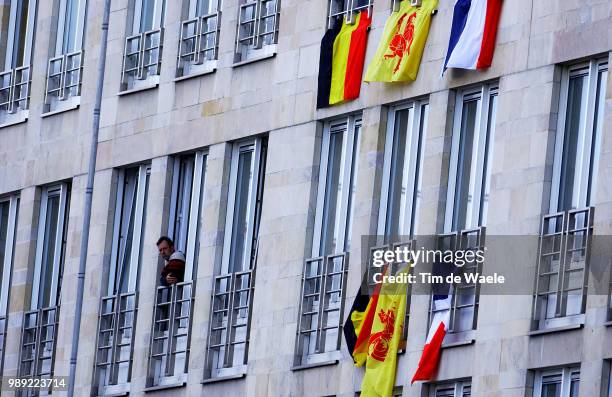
{"x": 314, "y": 365}
{"x": 195, "y": 74}
{"x": 120, "y": 394}
{"x": 466, "y": 342}
{"x": 61, "y": 109}
{"x": 17, "y": 118}
{"x": 223, "y": 378}
{"x": 139, "y": 89}
{"x": 164, "y": 387}
{"x": 607, "y": 324}
{"x": 544, "y": 331}
{"x": 253, "y": 60}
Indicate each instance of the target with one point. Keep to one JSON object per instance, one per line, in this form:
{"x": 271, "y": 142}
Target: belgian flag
{"x": 341, "y": 61}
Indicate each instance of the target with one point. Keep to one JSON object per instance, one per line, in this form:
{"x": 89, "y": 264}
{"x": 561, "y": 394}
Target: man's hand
{"x": 170, "y": 279}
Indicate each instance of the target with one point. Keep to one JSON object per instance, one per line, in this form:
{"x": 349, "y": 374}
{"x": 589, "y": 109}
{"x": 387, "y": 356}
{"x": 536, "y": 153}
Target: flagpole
{"x": 88, "y": 201}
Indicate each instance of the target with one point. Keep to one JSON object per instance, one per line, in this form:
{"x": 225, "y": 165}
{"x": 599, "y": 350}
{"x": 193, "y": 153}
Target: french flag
{"x": 433, "y": 346}
{"x": 473, "y": 32}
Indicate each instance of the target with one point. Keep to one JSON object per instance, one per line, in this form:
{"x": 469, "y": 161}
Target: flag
{"x": 325, "y": 64}
{"x": 399, "y": 53}
{"x": 441, "y": 307}
{"x": 384, "y": 337}
{"x": 473, "y": 32}
{"x": 360, "y": 317}
{"x": 341, "y": 61}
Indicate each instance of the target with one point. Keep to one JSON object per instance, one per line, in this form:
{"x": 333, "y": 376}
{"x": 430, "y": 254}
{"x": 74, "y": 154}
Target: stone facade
{"x": 277, "y": 97}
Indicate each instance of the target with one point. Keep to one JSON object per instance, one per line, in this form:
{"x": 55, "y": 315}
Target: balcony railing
{"x": 142, "y": 60}
{"x": 14, "y": 93}
{"x": 563, "y": 266}
{"x": 64, "y": 78}
{"x": 170, "y": 339}
{"x": 199, "y": 44}
{"x": 321, "y": 311}
{"x": 116, "y": 324}
{"x": 230, "y": 317}
{"x": 38, "y": 340}
{"x": 465, "y": 296}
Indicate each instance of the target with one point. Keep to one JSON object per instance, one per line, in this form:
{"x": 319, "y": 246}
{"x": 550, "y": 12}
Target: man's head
{"x": 165, "y": 246}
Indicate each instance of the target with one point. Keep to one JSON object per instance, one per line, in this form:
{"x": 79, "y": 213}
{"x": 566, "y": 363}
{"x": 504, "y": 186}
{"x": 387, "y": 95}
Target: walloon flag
{"x": 441, "y": 307}
{"x": 401, "y": 47}
{"x": 383, "y": 338}
{"x": 473, "y": 32}
{"x": 341, "y": 60}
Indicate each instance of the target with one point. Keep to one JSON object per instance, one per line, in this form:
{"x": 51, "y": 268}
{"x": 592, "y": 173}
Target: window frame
{"x": 12, "y": 202}
{"x": 256, "y": 49}
{"x": 192, "y": 58}
{"x": 350, "y": 127}
{"x": 566, "y": 374}
{"x": 194, "y": 203}
{"x": 587, "y": 151}
{"x": 117, "y": 313}
{"x": 233, "y": 286}
{"x": 79, "y": 29}
{"x": 349, "y": 9}
{"x": 480, "y": 171}
{"x": 10, "y": 61}
{"x": 460, "y": 388}
{"x": 62, "y": 191}
{"x": 412, "y": 169}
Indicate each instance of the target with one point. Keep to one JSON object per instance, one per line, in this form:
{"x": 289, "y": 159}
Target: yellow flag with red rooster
{"x": 384, "y": 339}
{"x": 403, "y": 41}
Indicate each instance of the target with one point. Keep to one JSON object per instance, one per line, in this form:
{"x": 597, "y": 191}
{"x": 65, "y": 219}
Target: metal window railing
{"x": 38, "y": 341}
{"x": 562, "y": 269}
{"x": 15, "y": 90}
{"x": 64, "y": 77}
{"x": 170, "y": 339}
{"x": 395, "y": 267}
{"x": 229, "y": 326}
{"x": 116, "y": 325}
{"x": 339, "y": 9}
{"x": 258, "y": 24}
{"x": 321, "y": 310}
{"x": 466, "y": 296}
{"x": 199, "y": 42}
{"x": 141, "y": 57}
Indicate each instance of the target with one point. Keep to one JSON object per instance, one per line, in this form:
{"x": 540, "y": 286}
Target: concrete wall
{"x": 277, "y": 97}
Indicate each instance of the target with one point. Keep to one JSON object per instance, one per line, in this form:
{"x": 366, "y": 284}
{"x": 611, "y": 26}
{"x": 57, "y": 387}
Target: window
{"x": 199, "y": 40}
{"x": 65, "y": 67}
{"x": 468, "y": 196}
{"x": 339, "y": 9}
{"x": 17, "y": 48}
{"x": 451, "y": 389}
{"x": 323, "y": 276}
{"x": 257, "y": 29}
{"x": 117, "y": 313}
{"x": 229, "y": 325}
{"x": 169, "y": 346}
{"x": 9, "y": 207}
{"x": 565, "y": 236}
{"x": 581, "y": 113}
{"x": 38, "y": 336}
{"x": 400, "y": 189}
{"x": 563, "y": 382}
{"x": 143, "y": 45}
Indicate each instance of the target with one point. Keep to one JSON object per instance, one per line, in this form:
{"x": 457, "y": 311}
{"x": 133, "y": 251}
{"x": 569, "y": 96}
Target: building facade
{"x": 209, "y": 134}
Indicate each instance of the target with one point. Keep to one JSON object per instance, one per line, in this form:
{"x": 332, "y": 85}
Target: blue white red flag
{"x": 473, "y": 33}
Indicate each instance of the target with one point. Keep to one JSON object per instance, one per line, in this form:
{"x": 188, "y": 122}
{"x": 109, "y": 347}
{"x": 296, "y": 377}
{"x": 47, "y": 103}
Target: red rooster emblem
{"x": 378, "y": 345}
{"x": 401, "y": 42}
